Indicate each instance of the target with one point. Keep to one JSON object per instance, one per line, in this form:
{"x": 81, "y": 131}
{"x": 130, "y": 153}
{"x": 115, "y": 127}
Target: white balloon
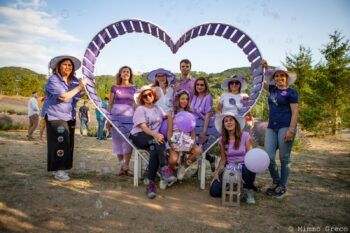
{"x": 257, "y": 160}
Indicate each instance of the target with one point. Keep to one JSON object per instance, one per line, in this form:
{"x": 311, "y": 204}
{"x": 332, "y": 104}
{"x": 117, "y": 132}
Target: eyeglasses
{"x": 235, "y": 83}
{"x": 149, "y": 94}
{"x": 200, "y": 84}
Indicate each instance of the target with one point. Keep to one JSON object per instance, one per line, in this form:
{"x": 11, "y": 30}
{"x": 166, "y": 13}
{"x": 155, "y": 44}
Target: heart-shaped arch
{"x": 117, "y": 29}
{"x": 235, "y": 35}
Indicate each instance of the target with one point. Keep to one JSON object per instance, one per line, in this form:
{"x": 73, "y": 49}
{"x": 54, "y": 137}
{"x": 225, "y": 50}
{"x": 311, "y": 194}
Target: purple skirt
{"x": 120, "y": 145}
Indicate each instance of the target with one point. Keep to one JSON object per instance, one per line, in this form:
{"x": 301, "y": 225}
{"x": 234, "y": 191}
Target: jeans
{"x": 157, "y": 152}
{"x": 248, "y": 178}
{"x": 101, "y": 125}
{"x": 274, "y": 139}
{"x": 84, "y": 121}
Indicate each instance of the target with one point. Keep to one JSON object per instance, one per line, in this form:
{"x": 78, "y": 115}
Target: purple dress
{"x": 123, "y": 106}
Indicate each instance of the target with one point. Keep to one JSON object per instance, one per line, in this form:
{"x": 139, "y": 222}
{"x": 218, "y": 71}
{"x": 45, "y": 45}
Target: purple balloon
{"x": 164, "y": 128}
{"x": 185, "y": 121}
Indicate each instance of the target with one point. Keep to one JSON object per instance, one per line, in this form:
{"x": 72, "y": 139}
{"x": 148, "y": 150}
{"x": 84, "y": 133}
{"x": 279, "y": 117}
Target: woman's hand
{"x": 288, "y": 136}
{"x": 82, "y": 83}
{"x": 159, "y": 137}
{"x": 216, "y": 177}
{"x": 264, "y": 64}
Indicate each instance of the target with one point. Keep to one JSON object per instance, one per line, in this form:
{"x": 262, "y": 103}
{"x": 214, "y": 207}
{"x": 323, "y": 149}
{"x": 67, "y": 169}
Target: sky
{"x": 33, "y": 32}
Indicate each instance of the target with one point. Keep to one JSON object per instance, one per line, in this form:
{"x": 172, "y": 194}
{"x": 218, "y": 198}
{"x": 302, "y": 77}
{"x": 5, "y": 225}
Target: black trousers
{"x": 157, "y": 152}
{"x": 60, "y": 144}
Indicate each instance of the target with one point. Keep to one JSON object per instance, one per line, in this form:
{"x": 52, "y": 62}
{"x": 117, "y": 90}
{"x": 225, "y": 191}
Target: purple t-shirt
{"x": 200, "y": 106}
{"x": 237, "y": 155}
{"x": 53, "y": 107}
{"x": 123, "y": 94}
{"x": 153, "y": 117}
{"x": 184, "y": 85}
{"x": 279, "y": 103}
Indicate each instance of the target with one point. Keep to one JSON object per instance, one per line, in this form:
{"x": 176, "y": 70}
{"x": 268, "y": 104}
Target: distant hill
{"x": 20, "y": 81}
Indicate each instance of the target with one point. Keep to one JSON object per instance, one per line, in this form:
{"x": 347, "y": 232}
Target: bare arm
{"x": 205, "y": 128}
{"x": 293, "y": 122}
{"x": 111, "y": 101}
{"x": 170, "y": 129}
{"x": 265, "y": 67}
{"x": 221, "y": 164}
{"x": 219, "y": 108}
{"x": 249, "y": 145}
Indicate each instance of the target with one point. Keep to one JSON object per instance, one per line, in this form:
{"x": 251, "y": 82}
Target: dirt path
{"x": 32, "y": 201}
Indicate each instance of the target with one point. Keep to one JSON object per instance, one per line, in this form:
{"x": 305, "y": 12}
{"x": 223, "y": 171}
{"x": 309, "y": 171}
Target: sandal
{"x": 188, "y": 162}
{"x": 121, "y": 172}
{"x": 129, "y": 173}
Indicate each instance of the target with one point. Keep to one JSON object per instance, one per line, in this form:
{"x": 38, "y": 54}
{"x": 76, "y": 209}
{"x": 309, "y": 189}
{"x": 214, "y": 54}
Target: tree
{"x": 337, "y": 77}
{"x": 309, "y": 110}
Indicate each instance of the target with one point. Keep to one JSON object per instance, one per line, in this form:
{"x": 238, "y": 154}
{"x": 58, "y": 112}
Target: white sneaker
{"x": 62, "y": 176}
{"x": 249, "y": 197}
{"x": 181, "y": 172}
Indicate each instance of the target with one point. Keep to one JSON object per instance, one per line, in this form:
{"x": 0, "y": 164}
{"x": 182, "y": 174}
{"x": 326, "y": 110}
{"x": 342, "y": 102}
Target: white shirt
{"x": 165, "y": 101}
{"x": 33, "y": 107}
{"x": 231, "y": 102}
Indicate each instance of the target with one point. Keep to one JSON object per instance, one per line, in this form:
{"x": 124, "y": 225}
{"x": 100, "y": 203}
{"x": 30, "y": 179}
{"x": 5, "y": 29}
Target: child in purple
{"x": 233, "y": 148}
{"x": 121, "y": 104}
{"x": 182, "y": 103}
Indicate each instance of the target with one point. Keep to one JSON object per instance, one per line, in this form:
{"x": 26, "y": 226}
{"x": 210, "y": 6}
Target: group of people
{"x": 153, "y": 105}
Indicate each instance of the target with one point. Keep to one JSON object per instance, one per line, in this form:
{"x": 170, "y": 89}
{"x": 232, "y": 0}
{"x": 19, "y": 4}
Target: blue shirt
{"x": 98, "y": 113}
{"x": 279, "y": 103}
{"x": 57, "y": 109}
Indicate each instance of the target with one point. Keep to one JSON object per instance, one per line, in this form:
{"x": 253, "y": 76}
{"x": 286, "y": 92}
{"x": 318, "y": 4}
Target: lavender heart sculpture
{"x": 228, "y": 32}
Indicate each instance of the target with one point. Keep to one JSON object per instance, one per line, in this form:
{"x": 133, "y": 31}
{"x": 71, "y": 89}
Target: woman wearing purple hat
{"x": 121, "y": 104}
{"x": 280, "y": 132}
{"x": 62, "y": 91}
{"x": 161, "y": 80}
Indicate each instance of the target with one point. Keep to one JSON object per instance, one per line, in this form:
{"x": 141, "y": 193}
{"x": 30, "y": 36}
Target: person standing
{"x": 121, "y": 104}
{"x": 84, "y": 117}
{"x": 62, "y": 91}
{"x": 33, "y": 114}
{"x": 186, "y": 82}
{"x": 101, "y": 120}
{"x": 42, "y": 116}
{"x": 281, "y": 130}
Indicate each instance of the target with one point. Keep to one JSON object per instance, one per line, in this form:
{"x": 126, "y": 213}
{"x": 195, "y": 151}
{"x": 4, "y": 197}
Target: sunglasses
{"x": 235, "y": 83}
{"x": 149, "y": 94}
{"x": 200, "y": 84}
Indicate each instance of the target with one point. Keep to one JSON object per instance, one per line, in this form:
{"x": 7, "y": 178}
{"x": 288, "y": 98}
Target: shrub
{"x": 13, "y": 122}
{"x": 5, "y": 122}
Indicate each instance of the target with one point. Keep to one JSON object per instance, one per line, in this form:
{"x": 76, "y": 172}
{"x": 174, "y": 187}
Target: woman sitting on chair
{"x": 145, "y": 134}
